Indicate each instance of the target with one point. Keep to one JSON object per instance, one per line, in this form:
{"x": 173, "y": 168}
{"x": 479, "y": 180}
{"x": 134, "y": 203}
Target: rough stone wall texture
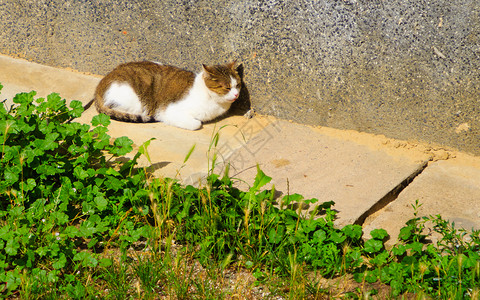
{"x": 409, "y": 69}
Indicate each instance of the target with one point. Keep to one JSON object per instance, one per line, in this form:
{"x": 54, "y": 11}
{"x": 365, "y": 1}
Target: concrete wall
{"x": 409, "y": 69}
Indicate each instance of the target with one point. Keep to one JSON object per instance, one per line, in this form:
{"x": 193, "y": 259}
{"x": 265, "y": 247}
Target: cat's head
{"x": 223, "y": 80}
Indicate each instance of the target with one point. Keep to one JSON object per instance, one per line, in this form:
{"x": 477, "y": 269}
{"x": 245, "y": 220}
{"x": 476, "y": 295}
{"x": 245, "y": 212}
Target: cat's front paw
{"x": 176, "y": 119}
{"x": 192, "y": 124}
{"x": 189, "y": 124}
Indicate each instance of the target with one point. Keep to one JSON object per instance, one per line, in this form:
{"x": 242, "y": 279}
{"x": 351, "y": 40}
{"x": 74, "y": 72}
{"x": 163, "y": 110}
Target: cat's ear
{"x": 207, "y": 69}
{"x": 209, "y": 73}
{"x": 232, "y": 64}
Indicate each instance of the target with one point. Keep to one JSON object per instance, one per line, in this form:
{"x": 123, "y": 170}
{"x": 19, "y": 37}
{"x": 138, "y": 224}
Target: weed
{"x": 76, "y": 221}
{"x": 62, "y": 191}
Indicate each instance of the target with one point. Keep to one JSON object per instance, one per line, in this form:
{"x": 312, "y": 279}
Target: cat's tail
{"x": 120, "y": 115}
{"x": 87, "y": 106}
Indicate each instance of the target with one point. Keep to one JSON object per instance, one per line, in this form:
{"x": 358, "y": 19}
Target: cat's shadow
{"x": 242, "y": 105}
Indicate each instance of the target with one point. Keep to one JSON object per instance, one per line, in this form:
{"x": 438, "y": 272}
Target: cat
{"x": 149, "y": 92}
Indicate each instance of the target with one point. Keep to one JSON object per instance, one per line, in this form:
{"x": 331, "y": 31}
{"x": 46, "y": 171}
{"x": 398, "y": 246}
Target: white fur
{"x": 121, "y": 96}
{"x": 200, "y": 104}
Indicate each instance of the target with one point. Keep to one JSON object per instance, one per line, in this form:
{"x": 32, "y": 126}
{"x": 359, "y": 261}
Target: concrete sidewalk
{"x": 372, "y": 179}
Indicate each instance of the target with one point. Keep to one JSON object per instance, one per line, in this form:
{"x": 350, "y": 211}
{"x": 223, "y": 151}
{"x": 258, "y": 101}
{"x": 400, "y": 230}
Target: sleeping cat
{"x": 148, "y": 92}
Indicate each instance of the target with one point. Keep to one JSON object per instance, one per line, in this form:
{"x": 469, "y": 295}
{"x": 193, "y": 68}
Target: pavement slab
{"x": 360, "y": 172}
{"x": 303, "y": 160}
{"x": 448, "y": 188}
{"x": 170, "y": 146}
{"x": 19, "y": 75}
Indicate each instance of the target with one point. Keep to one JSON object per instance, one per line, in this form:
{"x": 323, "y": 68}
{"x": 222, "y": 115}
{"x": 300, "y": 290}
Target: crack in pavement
{"x": 390, "y": 196}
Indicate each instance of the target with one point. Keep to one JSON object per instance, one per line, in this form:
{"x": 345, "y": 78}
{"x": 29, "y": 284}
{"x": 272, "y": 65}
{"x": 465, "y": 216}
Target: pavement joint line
{"x": 391, "y": 196}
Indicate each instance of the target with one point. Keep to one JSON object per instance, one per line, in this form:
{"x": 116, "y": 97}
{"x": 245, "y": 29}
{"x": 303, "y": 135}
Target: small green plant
{"x": 78, "y": 220}
{"x": 62, "y": 190}
{"x": 447, "y": 270}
